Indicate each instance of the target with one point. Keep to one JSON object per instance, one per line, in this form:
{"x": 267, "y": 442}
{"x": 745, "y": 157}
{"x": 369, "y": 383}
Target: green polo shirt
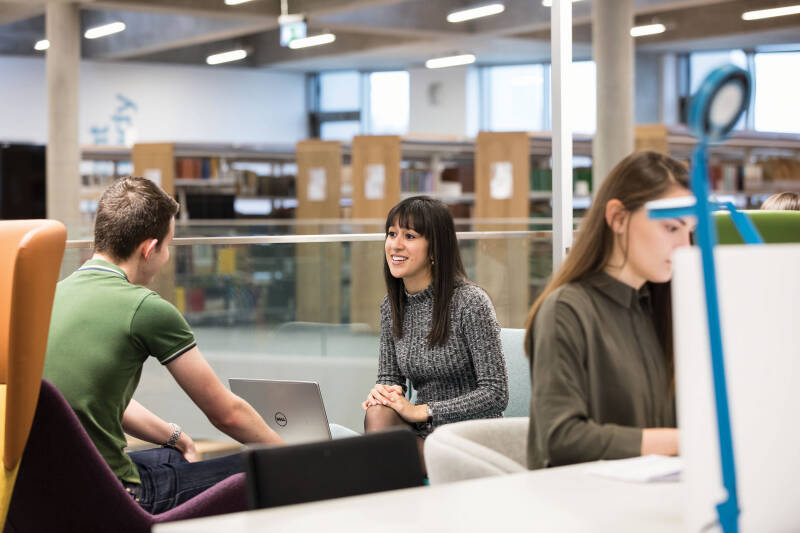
{"x": 102, "y": 330}
{"x": 599, "y": 374}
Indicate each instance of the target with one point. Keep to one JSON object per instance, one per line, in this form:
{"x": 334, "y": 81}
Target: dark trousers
{"x": 169, "y": 480}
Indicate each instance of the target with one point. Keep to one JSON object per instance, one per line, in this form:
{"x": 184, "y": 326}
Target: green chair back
{"x": 774, "y": 226}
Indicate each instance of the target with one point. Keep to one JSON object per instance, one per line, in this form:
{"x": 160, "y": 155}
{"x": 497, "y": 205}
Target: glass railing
{"x": 306, "y": 307}
{"x": 247, "y": 227}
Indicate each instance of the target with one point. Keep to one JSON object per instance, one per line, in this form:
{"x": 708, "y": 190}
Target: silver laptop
{"x": 294, "y": 409}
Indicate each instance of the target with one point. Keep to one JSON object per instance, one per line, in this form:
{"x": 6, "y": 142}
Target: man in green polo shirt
{"x": 105, "y": 324}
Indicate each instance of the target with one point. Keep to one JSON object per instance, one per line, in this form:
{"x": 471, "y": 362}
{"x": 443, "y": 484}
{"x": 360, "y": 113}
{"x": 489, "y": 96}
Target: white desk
{"x": 559, "y": 499}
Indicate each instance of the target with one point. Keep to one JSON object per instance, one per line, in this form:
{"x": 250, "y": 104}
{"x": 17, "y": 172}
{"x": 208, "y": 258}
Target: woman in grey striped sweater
{"x": 438, "y": 329}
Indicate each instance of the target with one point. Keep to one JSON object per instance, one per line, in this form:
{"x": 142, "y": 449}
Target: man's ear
{"x": 148, "y": 247}
{"x": 616, "y": 214}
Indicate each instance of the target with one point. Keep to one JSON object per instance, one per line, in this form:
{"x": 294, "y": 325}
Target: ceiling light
{"x": 649, "y": 29}
{"x": 105, "y": 29}
{"x": 44, "y": 44}
{"x": 226, "y": 57}
{"x": 234, "y": 2}
{"x": 549, "y": 3}
{"x": 769, "y": 13}
{"x": 450, "y": 61}
{"x": 314, "y": 40}
{"x": 475, "y": 12}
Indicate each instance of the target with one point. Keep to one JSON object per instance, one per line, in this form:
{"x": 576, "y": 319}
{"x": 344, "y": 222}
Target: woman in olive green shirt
{"x": 600, "y": 335}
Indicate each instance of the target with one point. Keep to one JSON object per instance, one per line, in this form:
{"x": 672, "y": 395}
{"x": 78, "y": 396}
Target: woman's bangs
{"x": 409, "y": 215}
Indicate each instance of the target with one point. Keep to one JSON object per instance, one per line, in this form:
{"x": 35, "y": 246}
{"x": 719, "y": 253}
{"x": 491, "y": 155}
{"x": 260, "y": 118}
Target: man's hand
{"x": 226, "y": 411}
{"x": 185, "y": 445}
{"x": 381, "y": 395}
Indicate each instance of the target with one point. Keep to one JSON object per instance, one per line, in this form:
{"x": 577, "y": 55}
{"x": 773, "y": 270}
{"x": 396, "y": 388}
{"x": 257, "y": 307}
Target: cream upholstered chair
{"x": 477, "y": 448}
{"x": 30, "y": 258}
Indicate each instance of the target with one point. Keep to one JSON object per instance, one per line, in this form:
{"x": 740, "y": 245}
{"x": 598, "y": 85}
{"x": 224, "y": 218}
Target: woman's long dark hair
{"x": 431, "y": 219}
{"x": 636, "y": 180}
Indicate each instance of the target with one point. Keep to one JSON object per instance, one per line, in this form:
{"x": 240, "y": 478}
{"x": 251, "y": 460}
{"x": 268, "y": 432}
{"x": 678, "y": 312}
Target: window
{"x": 339, "y": 91}
{"x": 583, "y": 97}
{"x": 348, "y": 103}
{"x": 389, "y": 102}
{"x": 335, "y": 105}
{"x": 339, "y": 130}
{"x": 702, "y": 63}
{"x": 516, "y": 98}
{"x": 777, "y": 77}
{"x": 519, "y": 98}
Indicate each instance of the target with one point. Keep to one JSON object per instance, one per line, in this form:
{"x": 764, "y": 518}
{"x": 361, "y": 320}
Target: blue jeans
{"x": 169, "y": 480}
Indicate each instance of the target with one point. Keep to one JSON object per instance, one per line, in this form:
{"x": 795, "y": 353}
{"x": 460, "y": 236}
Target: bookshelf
{"x": 746, "y": 168}
{"x": 502, "y": 187}
{"x": 318, "y": 287}
{"x": 262, "y": 179}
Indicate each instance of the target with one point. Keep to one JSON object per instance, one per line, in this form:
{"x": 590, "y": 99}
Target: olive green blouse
{"x": 598, "y": 374}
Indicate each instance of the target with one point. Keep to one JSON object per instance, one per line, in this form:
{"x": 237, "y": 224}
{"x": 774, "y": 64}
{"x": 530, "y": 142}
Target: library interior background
{"x": 287, "y": 130}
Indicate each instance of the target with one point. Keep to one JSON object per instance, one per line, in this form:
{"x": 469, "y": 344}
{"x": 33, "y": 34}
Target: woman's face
{"x": 650, "y": 242}
{"x": 407, "y": 255}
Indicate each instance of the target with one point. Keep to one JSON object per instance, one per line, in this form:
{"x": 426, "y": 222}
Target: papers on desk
{"x": 645, "y": 469}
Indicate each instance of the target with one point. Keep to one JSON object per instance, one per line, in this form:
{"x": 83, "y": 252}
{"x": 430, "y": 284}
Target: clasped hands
{"x": 392, "y": 396}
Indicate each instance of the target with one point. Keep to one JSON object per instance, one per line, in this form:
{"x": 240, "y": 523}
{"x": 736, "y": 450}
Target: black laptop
{"x": 285, "y": 475}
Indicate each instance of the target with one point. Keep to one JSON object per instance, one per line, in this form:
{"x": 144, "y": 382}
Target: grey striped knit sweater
{"x": 465, "y": 378}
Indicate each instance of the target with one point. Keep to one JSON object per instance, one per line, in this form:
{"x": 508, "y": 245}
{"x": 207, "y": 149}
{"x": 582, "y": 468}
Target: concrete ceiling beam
{"x": 692, "y": 21}
{"x": 11, "y": 12}
{"x": 149, "y": 33}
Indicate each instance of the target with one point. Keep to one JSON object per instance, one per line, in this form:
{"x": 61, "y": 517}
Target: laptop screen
{"x": 294, "y": 409}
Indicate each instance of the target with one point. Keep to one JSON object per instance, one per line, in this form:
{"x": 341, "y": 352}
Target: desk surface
{"x": 559, "y": 499}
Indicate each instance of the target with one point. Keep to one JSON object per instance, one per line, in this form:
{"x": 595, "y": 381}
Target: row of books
{"x": 416, "y": 180}
{"x": 542, "y": 180}
{"x": 780, "y": 169}
{"x": 197, "y": 168}
{"x": 730, "y": 177}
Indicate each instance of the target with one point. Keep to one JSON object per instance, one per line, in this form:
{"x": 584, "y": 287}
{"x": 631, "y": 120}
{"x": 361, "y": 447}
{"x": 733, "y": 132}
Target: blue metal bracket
{"x": 742, "y": 223}
{"x": 727, "y": 510}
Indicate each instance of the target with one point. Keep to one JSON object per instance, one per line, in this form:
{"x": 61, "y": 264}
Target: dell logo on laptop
{"x": 280, "y": 418}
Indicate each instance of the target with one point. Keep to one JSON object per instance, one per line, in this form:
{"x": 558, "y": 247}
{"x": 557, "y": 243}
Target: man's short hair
{"x": 131, "y": 211}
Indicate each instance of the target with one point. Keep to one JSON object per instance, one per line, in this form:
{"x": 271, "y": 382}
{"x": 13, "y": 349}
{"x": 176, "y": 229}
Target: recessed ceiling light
{"x": 104, "y": 30}
{"x": 549, "y": 3}
{"x": 226, "y": 57}
{"x": 44, "y": 44}
{"x": 769, "y": 13}
{"x": 649, "y": 29}
{"x": 234, "y": 2}
{"x": 314, "y": 40}
{"x": 450, "y": 61}
{"x": 475, "y": 12}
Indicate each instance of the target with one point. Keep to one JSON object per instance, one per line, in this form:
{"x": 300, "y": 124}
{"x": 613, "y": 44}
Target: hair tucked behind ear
{"x": 636, "y": 180}
{"x": 431, "y": 219}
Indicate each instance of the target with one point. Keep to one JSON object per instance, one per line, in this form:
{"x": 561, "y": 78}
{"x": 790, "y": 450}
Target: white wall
{"x": 23, "y": 100}
{"x": 443, "y": 101}
{"x": 172, "y": 103}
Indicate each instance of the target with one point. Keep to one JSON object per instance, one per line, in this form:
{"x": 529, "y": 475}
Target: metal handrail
{"x": 340, "y": 237}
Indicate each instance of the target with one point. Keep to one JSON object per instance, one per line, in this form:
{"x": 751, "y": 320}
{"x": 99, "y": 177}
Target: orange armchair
{"x": 30, "y": 258}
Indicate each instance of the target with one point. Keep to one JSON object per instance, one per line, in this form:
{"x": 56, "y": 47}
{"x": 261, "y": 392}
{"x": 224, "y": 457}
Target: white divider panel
{"x": 759, "y": 293}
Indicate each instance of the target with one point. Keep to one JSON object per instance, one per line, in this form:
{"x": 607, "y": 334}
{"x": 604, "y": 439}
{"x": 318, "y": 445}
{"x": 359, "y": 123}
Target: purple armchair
{"x": 65, "y": 485}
